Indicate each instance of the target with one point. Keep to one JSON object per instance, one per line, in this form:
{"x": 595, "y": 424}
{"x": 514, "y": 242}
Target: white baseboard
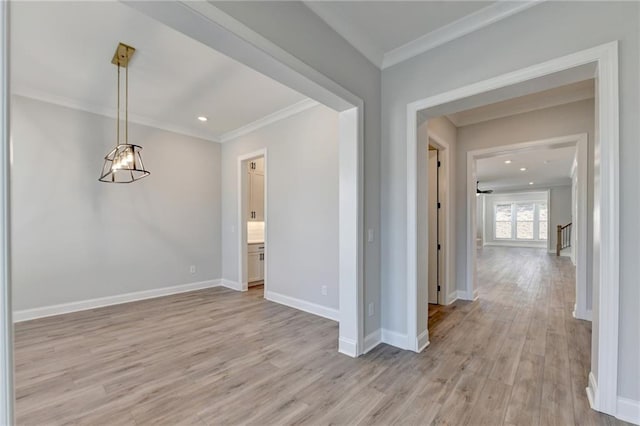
{"x": 542, "y": 245}
{"x": 372, "y": 340}
{"x": 592, "y": 391}
{"x": 464, "y": 295}
{"x": 348, "y": 347}
{"x": 395, "y": 339}
{"x": 303, "y": 305}
{"x": 582, "y": 315}
{"x": 452, "y": 297}
{"x": 422, "y": 341}
{"x": 83, "y": 305}
{"x": 233, "y": 285}
{"x": 628, "y": 410}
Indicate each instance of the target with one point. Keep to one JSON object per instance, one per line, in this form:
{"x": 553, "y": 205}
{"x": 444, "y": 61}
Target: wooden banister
{"x": 564, "y": 238}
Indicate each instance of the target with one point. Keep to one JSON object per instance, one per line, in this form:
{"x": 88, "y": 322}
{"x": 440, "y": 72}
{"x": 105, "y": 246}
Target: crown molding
{"x": 456, "y": 29}
{"x": 529, "y": 103}
{"x": 145, "y": 121}
{"x": 355, "y": 38}
{"x": 269, "y": 119}
{"x": 109, "y": 112}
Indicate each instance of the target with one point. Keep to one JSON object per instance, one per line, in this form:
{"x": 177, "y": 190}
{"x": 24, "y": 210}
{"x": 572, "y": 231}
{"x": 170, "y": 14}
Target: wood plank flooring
{"x": 513, "y": 357}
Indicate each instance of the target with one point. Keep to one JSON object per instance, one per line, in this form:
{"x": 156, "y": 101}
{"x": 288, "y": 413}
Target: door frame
{"x": 444, "y": 187}
{"x": 242, "y": 217}
{"x": 6, "y": 317}
{"x": 603, "y": 378}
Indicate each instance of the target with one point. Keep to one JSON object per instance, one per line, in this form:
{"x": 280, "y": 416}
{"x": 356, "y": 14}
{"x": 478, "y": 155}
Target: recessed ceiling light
{"x": 523, "y": 169}
{"x": 202, "y": 118}
{"x": 507, "y": 161}
{"x": 530, "y": 183}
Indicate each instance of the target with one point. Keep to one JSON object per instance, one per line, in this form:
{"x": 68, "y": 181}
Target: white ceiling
{"x": 61, "y": 52}
{"x": 573, "y": 92}
{"x": 388, "y": 32}
{"x": 546, "y": 167}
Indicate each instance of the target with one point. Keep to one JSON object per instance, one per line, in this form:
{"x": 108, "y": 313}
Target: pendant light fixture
{"x": 124, "y": 163}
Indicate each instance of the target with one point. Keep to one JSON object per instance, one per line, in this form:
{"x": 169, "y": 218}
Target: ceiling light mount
{"x": 124, "y": 163}
{"x": 123, "y": 55}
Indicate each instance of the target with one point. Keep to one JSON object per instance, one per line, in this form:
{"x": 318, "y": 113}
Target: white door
{"x": 432, "y": 210}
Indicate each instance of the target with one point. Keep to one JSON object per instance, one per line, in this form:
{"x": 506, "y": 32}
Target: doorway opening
{"x": 599, "y": 63}
{"x": 252, "y": 219}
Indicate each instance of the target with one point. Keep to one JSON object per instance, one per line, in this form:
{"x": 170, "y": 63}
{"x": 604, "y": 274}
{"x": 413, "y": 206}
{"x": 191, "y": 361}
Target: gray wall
{"x": 487, "y": 53}
{"x": 302, "y": 204}
{"x": 293, "y": 27}
{"x": 75, "y": 238}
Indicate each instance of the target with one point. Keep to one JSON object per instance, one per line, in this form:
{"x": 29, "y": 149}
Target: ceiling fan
{"x": 479, "y": 191}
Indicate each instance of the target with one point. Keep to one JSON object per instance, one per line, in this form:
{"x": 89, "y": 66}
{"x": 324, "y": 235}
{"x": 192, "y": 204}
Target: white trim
{"x": 111, "y": 113}
{"x": 541, "y": 100}
{"x": 540, "y": 244}
{"x": 465, "y": 295}
{"x": 83, "y": 305}
{"x": 395, "y": 339}
{"x": 372, "y": 340}
{"x": 233, "y": 285}
{"x": 586, "y": 315}
{"x": 351, "y": 235}
{"x": 606, "y": 191}
{"x": 294, "y": 109}
{"x": 579, "y": 253}
{"x": 281, "y": 114}
{"x": 628, "y": 410}
{"x": 446, "y": 212}
{"x": 592, "y": 391}
{"x": 6, "y": 323}
{"x": 456, "y": 29}
{"x": 242, "y": 218}
{"x": 422, "y": 341}
{"x": 303, "y": 305}
{"x": 452, "y": 297}
{"x": 348, "y": 347}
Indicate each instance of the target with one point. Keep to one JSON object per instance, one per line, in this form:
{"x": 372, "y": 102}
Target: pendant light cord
{"x": 126, "y": 105}
{"x": 118, "y": 112}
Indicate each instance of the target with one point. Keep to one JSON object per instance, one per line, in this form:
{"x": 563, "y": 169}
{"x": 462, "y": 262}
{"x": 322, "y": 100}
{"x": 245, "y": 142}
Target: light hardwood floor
{"x": 515, "y": 356}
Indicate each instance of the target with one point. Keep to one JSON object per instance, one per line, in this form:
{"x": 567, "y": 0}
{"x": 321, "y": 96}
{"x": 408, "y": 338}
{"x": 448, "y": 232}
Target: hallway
{"x": 521, "y": 337}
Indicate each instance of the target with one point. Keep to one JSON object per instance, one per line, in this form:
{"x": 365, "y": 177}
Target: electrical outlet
{"x": 371, "y": 309}
{"x": 324, "y": 290}
{"x": 192, "y": 269}
{"x": 370, "y": 235}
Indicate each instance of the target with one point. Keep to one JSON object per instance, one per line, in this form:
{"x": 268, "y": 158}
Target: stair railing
{"x": 564, "y": 238}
